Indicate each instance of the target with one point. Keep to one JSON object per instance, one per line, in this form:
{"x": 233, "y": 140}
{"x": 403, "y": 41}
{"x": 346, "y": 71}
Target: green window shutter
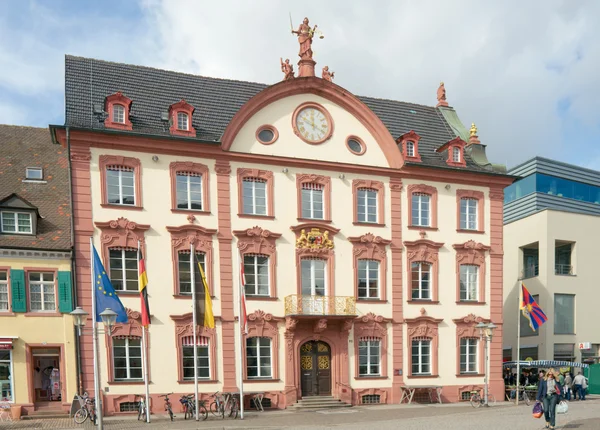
{"x": 65, "y": 293}
{"x": 17, "y": 290}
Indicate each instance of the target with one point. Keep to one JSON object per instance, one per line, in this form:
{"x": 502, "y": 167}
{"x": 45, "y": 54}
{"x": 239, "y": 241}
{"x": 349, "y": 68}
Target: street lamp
{"x": 486, "y": 332}
{"x": 79, "y": 318}
{"x": 109, "y": 318}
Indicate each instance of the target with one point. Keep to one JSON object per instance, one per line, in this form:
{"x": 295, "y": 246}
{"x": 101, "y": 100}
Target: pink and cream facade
{"x": 367, "y": 264}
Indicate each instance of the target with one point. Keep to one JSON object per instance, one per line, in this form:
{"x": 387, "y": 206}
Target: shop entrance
{"x": 46, "y": 369}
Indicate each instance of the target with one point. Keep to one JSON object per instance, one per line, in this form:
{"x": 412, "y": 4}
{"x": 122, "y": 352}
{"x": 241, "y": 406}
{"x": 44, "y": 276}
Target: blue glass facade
{"x": 552, "y": 185}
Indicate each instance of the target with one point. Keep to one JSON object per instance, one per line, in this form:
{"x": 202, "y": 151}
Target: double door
{"x": 315, "y": 368}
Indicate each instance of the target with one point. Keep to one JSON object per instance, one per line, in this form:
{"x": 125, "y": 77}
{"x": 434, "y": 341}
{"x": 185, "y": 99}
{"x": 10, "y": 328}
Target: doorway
{"x": 315, "y": 368}
{"x": 46, "y": 377}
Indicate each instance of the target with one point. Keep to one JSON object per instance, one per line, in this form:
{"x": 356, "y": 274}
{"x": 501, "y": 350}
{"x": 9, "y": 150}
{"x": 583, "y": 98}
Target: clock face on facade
{"x": 312, "y": 124}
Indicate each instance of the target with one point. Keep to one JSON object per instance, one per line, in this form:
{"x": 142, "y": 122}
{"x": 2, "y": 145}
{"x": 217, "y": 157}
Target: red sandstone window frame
{"x": 425, "y": 251}
{"x": 413, "y": 137}
{"x": 370, "y": 247}
{"x": 264, "y": 175}
{"x": 449, "y": 146}
{"x": 431, "y": 191}
{"x": 379, "y": 188}
{"x": 181, "y": 107}
{"x": 372, "y": 326}
{"x": 104, "y": 162}
{"x": 262, "y": 324}
{"x": 473, "y": 254}
{"x": 465, "y": 328}
{"x": 325, "y": 182}
{"x": 423, "y": 327}
{"x": 474, "y": 195}
{"x": 182, "y": 238}
{"x": 7, "y": 312}
{"x": 28, "y": 270}
{"x": 198, "y": 169}
{"x": 183, "y": 328}
{"x": 118, "y": 99}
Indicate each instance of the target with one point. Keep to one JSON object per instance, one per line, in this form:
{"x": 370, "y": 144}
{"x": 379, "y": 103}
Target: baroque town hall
{"x": 370, "y": 232}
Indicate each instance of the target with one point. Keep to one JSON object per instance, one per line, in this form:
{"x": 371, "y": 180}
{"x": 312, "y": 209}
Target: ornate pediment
{"x": 471, "y": 252}
{"x": 133, "y": 326}
{"x": 260, "y": 322}
{"x": 368, "y": 245}
{"x": 370, "y": 325}
{"x": 423, "y": 250}
{"x": 423, "y": 326}
{"x": 256, "y": 240}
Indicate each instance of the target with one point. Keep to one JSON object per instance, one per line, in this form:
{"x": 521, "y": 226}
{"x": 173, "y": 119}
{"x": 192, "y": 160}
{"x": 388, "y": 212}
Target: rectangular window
{"x": 4, "y": 306}
{"x": 41, "y": 292}
{"x": 421, "y": 357}
{"x": 254, "y": 196}
{"x": 564, "y": 351}
{"x": 123, "y": 265}
{"x": 119, "y": 114}
{"x": 256, "y": 272}
{"x": 526, "y": 329}
{"x": 203, "y": 363}
{"x": 312, "y": 201}
{"x": 120, "y": 188}
{"x": 367, "y": 205}
{"x": 369, "y": 357}
{"x": 127, "y": 356}
{"x": 368, "y": 279}
{"x": 16, "y": 222}
{"x": 313, "y": 277}
{"x": 189, "y": 191}
{"x": 564, "y": 314}
{"x": 6, "y": 379}
{"x": 185, "y": 278}
{"x": 34, "y": 173}
{"x": 258, "y": 357}
{"x": 421, "y": 281}
{"x": 562, "y": 258}
{"x": 456, "y": 155}
{"x": 410, "y": 149}
{"x": 469, "y": 283}
{"x": 468, "y": 214}
{"x": 468, "y": 355}
{"x": 182, "y": 121}
{"x": 530, "y": 353}
{"x": 420, "y": 209}
{"x": 531, "y": 259}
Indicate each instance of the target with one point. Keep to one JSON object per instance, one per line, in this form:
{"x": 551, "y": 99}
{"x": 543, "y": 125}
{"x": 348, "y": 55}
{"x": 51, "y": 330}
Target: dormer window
{"x": 410, "y": 149}
{"x": 455, "y": 152}
{"x": 118, "y": 106}
{"x": 119, "y": 114}
{"x": 34, "y": 173}
{"x": 16, "y": 222}
{"x": 182, "y": 121}
{"x": 181, "y": 118}
{"x": 409, "y": 145}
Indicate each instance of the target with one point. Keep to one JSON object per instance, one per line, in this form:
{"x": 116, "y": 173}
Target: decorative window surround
{"x": 411, "y": 136}
{"x": 372, "y": 185}
{"x": 371, "y": 326}
{"x": 117, "y": 99}
{"x": 426, "y": 251}
{"x": 131, "y": 329}
{"x": 325, "y": 181}
{"x": 472, "y": 253}
{"x": 121, "y": 233}
{"x": 183, "y": 107}
{"x": 191, "y": 167}
{"x": 261, "y": 324}
{"x": 423, "y": 327}
{"x": 465, "y": 328}
{"x": 475, "y": 195}
{"x": 449, "y": 146}
{"x": 184, "y": 328}
{"x": 265, "y": 175}
{"x": 430, "y": 191}
{"x": 181, "y": 240}
{"x": 259, "y": 241}
{"x": 370, "y": 247}
{"x": 116, "y": 160}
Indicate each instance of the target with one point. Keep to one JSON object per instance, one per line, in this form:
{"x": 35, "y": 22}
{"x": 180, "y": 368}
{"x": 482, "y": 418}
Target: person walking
{"x": 548, "y": 392}
{"x": 567, "y": 387}
{"x": 578, "y": 383}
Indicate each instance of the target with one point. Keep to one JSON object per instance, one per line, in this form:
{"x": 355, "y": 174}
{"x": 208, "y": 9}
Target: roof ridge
{"x": 396, "y": 101}
{"x": 23, "y": 126}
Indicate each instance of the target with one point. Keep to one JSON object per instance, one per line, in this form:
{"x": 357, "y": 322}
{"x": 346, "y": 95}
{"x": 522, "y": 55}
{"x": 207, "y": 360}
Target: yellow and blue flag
{"x": 531, "y": 310}
{"x": 105, "y": 294}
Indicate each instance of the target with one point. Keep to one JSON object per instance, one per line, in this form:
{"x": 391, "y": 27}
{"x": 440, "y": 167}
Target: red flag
{"x": 244, "y": 321}
{"x": 143, "y": 280}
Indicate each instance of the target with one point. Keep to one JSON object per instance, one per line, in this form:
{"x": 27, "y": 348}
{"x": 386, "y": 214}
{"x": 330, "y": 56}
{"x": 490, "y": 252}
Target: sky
{"x": 524, "y": 71}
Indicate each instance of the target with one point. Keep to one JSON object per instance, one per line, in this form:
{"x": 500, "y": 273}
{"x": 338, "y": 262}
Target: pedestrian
{"x": 578, "y": 386}
{"x": 548, "y": 392}
{"x": 561, "y": 379}
{"x": 567, "y": 387}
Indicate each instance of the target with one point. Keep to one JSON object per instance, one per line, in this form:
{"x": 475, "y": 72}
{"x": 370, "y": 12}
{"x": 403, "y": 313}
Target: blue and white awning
{"x": 544, "y": 363}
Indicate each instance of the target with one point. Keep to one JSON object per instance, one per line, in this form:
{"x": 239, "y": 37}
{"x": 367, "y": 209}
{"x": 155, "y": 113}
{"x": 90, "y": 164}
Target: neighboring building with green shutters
{"x": 38, "y": 367}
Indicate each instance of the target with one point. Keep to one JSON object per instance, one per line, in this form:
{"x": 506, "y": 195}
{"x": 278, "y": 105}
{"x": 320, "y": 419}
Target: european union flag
{"x": 105, "y": 294}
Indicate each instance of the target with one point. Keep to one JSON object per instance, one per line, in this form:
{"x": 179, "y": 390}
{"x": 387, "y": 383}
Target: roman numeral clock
{"x": 312, "y": 123}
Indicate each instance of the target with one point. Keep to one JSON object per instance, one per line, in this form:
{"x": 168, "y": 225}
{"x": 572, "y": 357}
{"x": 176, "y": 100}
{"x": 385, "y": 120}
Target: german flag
{"x": 203, "y": 305}
{"x": 143, "y": 281}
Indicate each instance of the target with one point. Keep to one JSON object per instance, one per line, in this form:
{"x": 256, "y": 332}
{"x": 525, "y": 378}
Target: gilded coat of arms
{"x": 314, "y": 239}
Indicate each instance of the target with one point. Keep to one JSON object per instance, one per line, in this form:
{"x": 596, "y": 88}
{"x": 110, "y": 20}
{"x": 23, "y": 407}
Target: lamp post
{"x": 109, "y": 318}
{"x": 486, "y": 332}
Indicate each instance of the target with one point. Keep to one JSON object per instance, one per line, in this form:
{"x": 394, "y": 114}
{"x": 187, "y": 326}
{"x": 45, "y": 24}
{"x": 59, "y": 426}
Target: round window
{"x": 356, "y": 146}
{"x": 266, "y": 135}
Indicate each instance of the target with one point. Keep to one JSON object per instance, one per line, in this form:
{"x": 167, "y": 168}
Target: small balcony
{"x": 531, "y": 271}
{"x": 563, "y": 269}
{"x": 297, "y": 304}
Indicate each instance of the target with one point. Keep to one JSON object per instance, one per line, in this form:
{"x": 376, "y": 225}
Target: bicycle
{"x": 87, "y": 410}
{"x": 217, "y": 406}
{"x": 523, "y": 397}
{"x": 478, "y": 400}
{"x": 168, "y": 406}
{"x": 189, "y": 407}
{"x": 232, "y": 405}
{"x": 142, "y": 408}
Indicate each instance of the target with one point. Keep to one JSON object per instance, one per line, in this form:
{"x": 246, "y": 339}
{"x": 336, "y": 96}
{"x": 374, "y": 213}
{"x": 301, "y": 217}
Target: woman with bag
{"x": 548, "y": 392}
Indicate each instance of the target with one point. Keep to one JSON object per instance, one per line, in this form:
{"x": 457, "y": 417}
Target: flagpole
{"x": 519, "y": 341}
{"x": 95, "y": 341}
{"x": 145, "y": 355}
{"x": 194, "y": 324}
{"x": 241, "y": 335}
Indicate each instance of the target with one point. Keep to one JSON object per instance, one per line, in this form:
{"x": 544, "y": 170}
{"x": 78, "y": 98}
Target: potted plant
{"x": 15, "y": 411}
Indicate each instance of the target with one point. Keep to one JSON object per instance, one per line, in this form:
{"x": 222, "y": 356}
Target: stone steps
{"x": 315, "y": 403}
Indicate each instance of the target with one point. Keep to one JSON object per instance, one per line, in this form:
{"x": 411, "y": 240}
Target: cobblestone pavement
{"x": 581, "y": 415}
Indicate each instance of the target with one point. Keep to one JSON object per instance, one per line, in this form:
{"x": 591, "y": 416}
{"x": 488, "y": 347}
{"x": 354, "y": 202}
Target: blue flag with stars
{"x": 106, "y": 297}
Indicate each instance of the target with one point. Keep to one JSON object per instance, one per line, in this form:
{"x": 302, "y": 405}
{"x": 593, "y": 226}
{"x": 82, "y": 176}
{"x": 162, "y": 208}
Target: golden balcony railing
{"x": 297, "y": 304}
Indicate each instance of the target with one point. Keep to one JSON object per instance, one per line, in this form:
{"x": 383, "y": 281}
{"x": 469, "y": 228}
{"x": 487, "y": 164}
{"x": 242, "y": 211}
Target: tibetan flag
{"x": 105, "y": 295}
{"x": 243, "y": 298}
{"x": 531, "y": 310}
{"x": 203, "y": 305}
{"x": 143, "y": 281}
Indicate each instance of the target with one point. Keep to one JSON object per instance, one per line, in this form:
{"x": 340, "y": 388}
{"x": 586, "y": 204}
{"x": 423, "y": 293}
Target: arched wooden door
{"x": 315, "y": 368}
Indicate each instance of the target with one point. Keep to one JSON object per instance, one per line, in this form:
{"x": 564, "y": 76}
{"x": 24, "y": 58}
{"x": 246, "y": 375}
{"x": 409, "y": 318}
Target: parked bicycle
{"x": 142, "y": 408}
{"x": 523, "y": 397}
{"x": 168, "y": 406}
{"x": 189, "y": 407}
{"x": 478, "y": 400}
{"x": 217, "y": 405}
{"x": 87, "y": 410}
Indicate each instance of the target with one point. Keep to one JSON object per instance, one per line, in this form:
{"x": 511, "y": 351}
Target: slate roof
{"x": 88, "y": 81}
{"x": 23, "y": 147}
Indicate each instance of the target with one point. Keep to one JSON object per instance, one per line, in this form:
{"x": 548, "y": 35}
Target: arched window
{"x": 182, "y": 121}
{"x": 119, "y": 114}
{"x": 456, "y": 155}
{"x": 410, "y": 149}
